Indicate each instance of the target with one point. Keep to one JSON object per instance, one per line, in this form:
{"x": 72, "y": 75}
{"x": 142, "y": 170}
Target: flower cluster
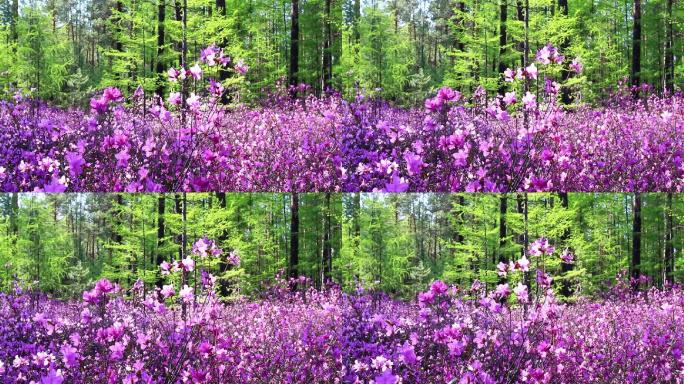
{"x": 450, "y": 334}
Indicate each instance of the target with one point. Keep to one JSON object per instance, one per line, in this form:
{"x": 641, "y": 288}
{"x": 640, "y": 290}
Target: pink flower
{"x": 434, "y": 104}
{"x": 426, "y": 297}
{"x": 233, "y": 258}
{"x": 175, "y": 98}
{"x": 531, "y": 72}
{"x": 502, "y": 291}
{"x": 76, "y": 163}
{"x": 188, "y": 264}
{"x": 241, "y": 67}
{"x": 165, "y": 268}
{"x": 167, "y": 291}
{"x": 194, "y": 102}
{"x": 567, "y": 257}
{"x": 174, "y": 74}
{"x": 502, "y": 269}
{"x": 117, "y": 351}
{"x": 201, "y": 247}
{"x": 186, "y": 294}
{"x": 208, "y": 55}
{"x": 414, "y": 163}
{"x": 386, "y": 378}
{"x": 112, "y": 94}
{"x": 104, "y": 286}
{"x": 576, "y": 65}
{"x": 69, "y": 356}
{"x": 521, "y": 293}
{"x": 510, "y": 98}
{"x": 397, "y": 185}
{"x": 196, "y": 72}
{"x": 122, "y": 158}
{"x": 523, "y": 264}
{"x": 509, "y": 75}
{"x": 529, "y": 101}
{"x": 447, "y": 94}
{"x": 540, "y": 247}
{"x": 544, "y": 55}
{"x": 439, "y": 287}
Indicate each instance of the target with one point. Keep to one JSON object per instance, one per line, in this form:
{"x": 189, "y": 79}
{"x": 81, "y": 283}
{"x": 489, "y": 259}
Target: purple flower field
{"x": 192, "y": 142}
{"x": 448, "y": 335}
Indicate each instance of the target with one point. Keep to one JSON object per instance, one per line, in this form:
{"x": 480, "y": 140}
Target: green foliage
{"x": 395, "y": 243}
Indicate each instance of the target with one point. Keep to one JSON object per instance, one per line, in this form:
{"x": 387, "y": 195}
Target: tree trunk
{"x": 327, "y": 243}
{"x": 636, "y": 240}
{"x": 566, "y": 97}
{"x": 294, "y": 239}
{"x": 669, "y": 51}
{"x": 636, "y": 47}
{"x": 161, "y": 40}
{"x": 503, "y": 208}
{"x": 327, "y": 48}
{"x": 178, "y": 209}
{"x": 669, "y": 246}
{"x": 118, "y": 46}
{"x": 357, "y": 20}
{"x": 503, "y": 17}
{"x": 224, "y": 285}
{"x": 161, "y": 230}
{"x": 566, "y": 287}
{"x": 221, "y": 7}
{"x": 294, "y": 47}
{"x": 14, "y": 21}
{"x": 14, "y": 222}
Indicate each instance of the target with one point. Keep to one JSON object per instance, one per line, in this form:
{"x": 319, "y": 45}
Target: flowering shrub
{"x": 183, "y": 333}
{"x": 520, "y": 140}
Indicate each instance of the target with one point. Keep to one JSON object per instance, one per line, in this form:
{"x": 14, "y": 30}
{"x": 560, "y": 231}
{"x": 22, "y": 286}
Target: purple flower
{"x": 386, "y": 378}
{"x": 397, "y": 185}
{"x": 52, "y": 378}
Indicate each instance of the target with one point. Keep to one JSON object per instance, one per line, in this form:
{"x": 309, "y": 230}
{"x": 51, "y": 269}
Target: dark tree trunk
{"x": 294, "y": 47}
{"x": 327, "y": 48}
{"x": 294, "y": 239}
{"x": 161, "y": 40}
{"x": 566, "y": 287}
{"x": 118, "y": 46}
{"x": 503, "y": 18}
{"x": 14, "y": 21}
{"x": 669, "y": 246}
{"x": 636, "y": 47}
{"x": 161, "y": 230}
{"x": 519, "y": 205}
{"x": 566, "y": 97}
{"x": 460, "y": 220}
{"x": 116, "y": 235}
{"x": 178, "y": 15}
{"x": 225, "y": 288}
{"x": 221, "y": 7}
{"x": 357, "y": 215}
{"x": 520, "y": 15}
{"x": 357, "y": 20}
{"x": 503, "y": 208}
{"x": 14, "y": 215}
{"x": 669, "y": 51}
{"x": 461, "y": 23}
{"x": 178, "y": 209}
{"x": 636, "y": 239}
{"x": 327, "y": 243}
